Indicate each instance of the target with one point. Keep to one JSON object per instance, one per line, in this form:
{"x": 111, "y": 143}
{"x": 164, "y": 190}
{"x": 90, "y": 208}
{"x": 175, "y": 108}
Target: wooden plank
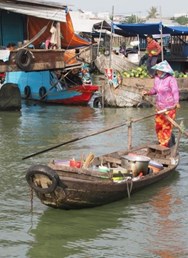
{"x": 43, "y": 60}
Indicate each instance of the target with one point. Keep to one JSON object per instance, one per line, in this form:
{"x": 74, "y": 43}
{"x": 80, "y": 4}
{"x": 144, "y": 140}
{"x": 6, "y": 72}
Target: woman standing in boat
{"x": 167, "y": 97}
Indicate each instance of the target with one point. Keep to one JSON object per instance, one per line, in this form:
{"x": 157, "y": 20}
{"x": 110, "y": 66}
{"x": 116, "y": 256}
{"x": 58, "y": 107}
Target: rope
{"x": 129, "y": 189}
{"x": 31, "y": 199}
{"x": 35, "y": 37}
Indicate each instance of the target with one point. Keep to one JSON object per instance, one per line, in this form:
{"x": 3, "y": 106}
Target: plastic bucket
{"x": 155, "y": 166}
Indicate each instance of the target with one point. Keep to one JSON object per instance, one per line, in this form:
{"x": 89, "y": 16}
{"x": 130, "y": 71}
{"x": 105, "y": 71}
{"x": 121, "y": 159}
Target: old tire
{"x": 42, "y": 170}
{"x": 97, "y": 102}
{"x": 27, "y": 92}
{"x": 42, "y": 93}
{"x": 107, "y": 52}
{"x": 24, "y": 59}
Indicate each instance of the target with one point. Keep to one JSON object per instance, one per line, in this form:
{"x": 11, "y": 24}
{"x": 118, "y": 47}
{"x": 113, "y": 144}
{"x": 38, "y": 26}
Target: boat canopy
{"x": 143, "y": 29}
{"x": 69, "y": 39}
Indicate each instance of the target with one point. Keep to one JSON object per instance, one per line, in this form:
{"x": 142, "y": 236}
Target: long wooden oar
{"x": 92, "y": 134}
{"x": 73, "y": 140}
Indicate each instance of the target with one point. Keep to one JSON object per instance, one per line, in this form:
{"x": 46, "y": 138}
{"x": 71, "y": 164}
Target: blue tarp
{"x": 143, "y": 29}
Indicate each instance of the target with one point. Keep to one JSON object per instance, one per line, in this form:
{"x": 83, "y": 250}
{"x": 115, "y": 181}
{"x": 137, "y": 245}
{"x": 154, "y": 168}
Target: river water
{"x": 152, "y": 223}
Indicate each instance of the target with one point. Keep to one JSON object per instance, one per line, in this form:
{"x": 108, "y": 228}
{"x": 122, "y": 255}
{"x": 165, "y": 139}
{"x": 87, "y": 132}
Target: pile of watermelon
{"x": 141, "y": 72}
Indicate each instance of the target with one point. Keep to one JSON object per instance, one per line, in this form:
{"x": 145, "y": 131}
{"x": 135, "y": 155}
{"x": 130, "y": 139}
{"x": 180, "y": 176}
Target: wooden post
{"x": 58, "y": 36}
{"x": 111, "y": 38}
{"x": 130, "y": 135}
{"x": 161, "y": 35}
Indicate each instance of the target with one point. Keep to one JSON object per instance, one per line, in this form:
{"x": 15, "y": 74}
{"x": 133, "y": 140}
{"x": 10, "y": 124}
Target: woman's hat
{"x": 164, "y": 67}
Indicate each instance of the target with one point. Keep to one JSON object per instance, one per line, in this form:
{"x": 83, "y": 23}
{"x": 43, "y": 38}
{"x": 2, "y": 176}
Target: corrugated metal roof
{"x": 36, "y": 9}
{"x": 42, "y": 2}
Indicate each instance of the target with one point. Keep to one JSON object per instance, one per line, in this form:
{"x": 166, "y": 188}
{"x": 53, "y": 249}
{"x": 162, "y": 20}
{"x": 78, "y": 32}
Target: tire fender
{"x": 42, "y": 92}
{"x": 24, "y": 59}
{"x": 27, "y": 91}
{"x": 107, "y": 52}
{"x": 97, "y": 102}
{"x": 42, "y": 170}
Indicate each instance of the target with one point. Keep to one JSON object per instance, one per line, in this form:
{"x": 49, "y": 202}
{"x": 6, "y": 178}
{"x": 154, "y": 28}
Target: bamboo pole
{"x": 130, "y": 135}
{"x": 111, "y": 37}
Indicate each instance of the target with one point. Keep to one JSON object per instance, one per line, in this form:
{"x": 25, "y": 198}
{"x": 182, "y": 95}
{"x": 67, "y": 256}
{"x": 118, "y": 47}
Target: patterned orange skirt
{"x": 163, "y": 127}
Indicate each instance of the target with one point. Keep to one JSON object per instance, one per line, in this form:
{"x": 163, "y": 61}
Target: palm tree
{"x": 152, "y": 13}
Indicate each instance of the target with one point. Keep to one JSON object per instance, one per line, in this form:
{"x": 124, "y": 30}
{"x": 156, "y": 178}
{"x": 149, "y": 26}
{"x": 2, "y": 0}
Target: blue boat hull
{"x": 44, "y": 86}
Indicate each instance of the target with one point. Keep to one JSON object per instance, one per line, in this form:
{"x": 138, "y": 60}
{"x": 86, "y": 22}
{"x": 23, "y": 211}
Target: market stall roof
{"x": 151, "y": 28}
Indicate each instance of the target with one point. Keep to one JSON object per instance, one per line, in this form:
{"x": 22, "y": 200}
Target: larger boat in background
{"x": 48, "y": 75}
{"x": 33, "y": 23}
{"x": 55, "y": 86}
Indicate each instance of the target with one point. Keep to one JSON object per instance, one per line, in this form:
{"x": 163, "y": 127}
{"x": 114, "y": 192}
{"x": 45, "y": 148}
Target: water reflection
{"x": 68, "y": 233}
{"x": 167, "y": 239}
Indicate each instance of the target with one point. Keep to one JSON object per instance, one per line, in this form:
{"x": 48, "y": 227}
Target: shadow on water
{"x": 106, "y": 231}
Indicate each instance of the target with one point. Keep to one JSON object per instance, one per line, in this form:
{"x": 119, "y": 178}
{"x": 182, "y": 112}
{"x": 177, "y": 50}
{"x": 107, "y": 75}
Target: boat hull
{"x": 64, "y": 187}
{"x": 40, "y": 86}
{"x": 88, "y": 194}
{"x": 129, "y": 93}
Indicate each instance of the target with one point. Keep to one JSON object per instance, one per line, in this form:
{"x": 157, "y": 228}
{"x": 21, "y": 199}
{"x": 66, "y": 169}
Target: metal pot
{"x": 135, "y": 164}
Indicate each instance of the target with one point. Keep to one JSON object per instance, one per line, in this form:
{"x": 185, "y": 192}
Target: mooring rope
{"x": 129, "y": 188}
{"x": 31, "y": 200}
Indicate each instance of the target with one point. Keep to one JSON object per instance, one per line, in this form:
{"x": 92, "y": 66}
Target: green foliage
{"x": 183, "y": 20}
{"x": 133, "y": 19}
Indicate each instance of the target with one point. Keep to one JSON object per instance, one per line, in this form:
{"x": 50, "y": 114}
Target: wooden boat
{"x": 105, "y": 179}
{"x": 123, "y": 96}
{"x": 117, "y": 91}
{"x": 31, "y": 66}
{"x": 118, "y": 62}
{"x": 129, "y": 92}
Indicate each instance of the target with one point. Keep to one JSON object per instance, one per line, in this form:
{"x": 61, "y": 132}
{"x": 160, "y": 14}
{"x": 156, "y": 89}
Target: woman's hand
{"x": 144, "y": 92}
{"x": 178, "y": 105}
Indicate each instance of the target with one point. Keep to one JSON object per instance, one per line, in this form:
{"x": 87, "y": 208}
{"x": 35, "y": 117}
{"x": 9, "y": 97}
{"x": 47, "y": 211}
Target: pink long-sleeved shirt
{"x": 166, "y": 91}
